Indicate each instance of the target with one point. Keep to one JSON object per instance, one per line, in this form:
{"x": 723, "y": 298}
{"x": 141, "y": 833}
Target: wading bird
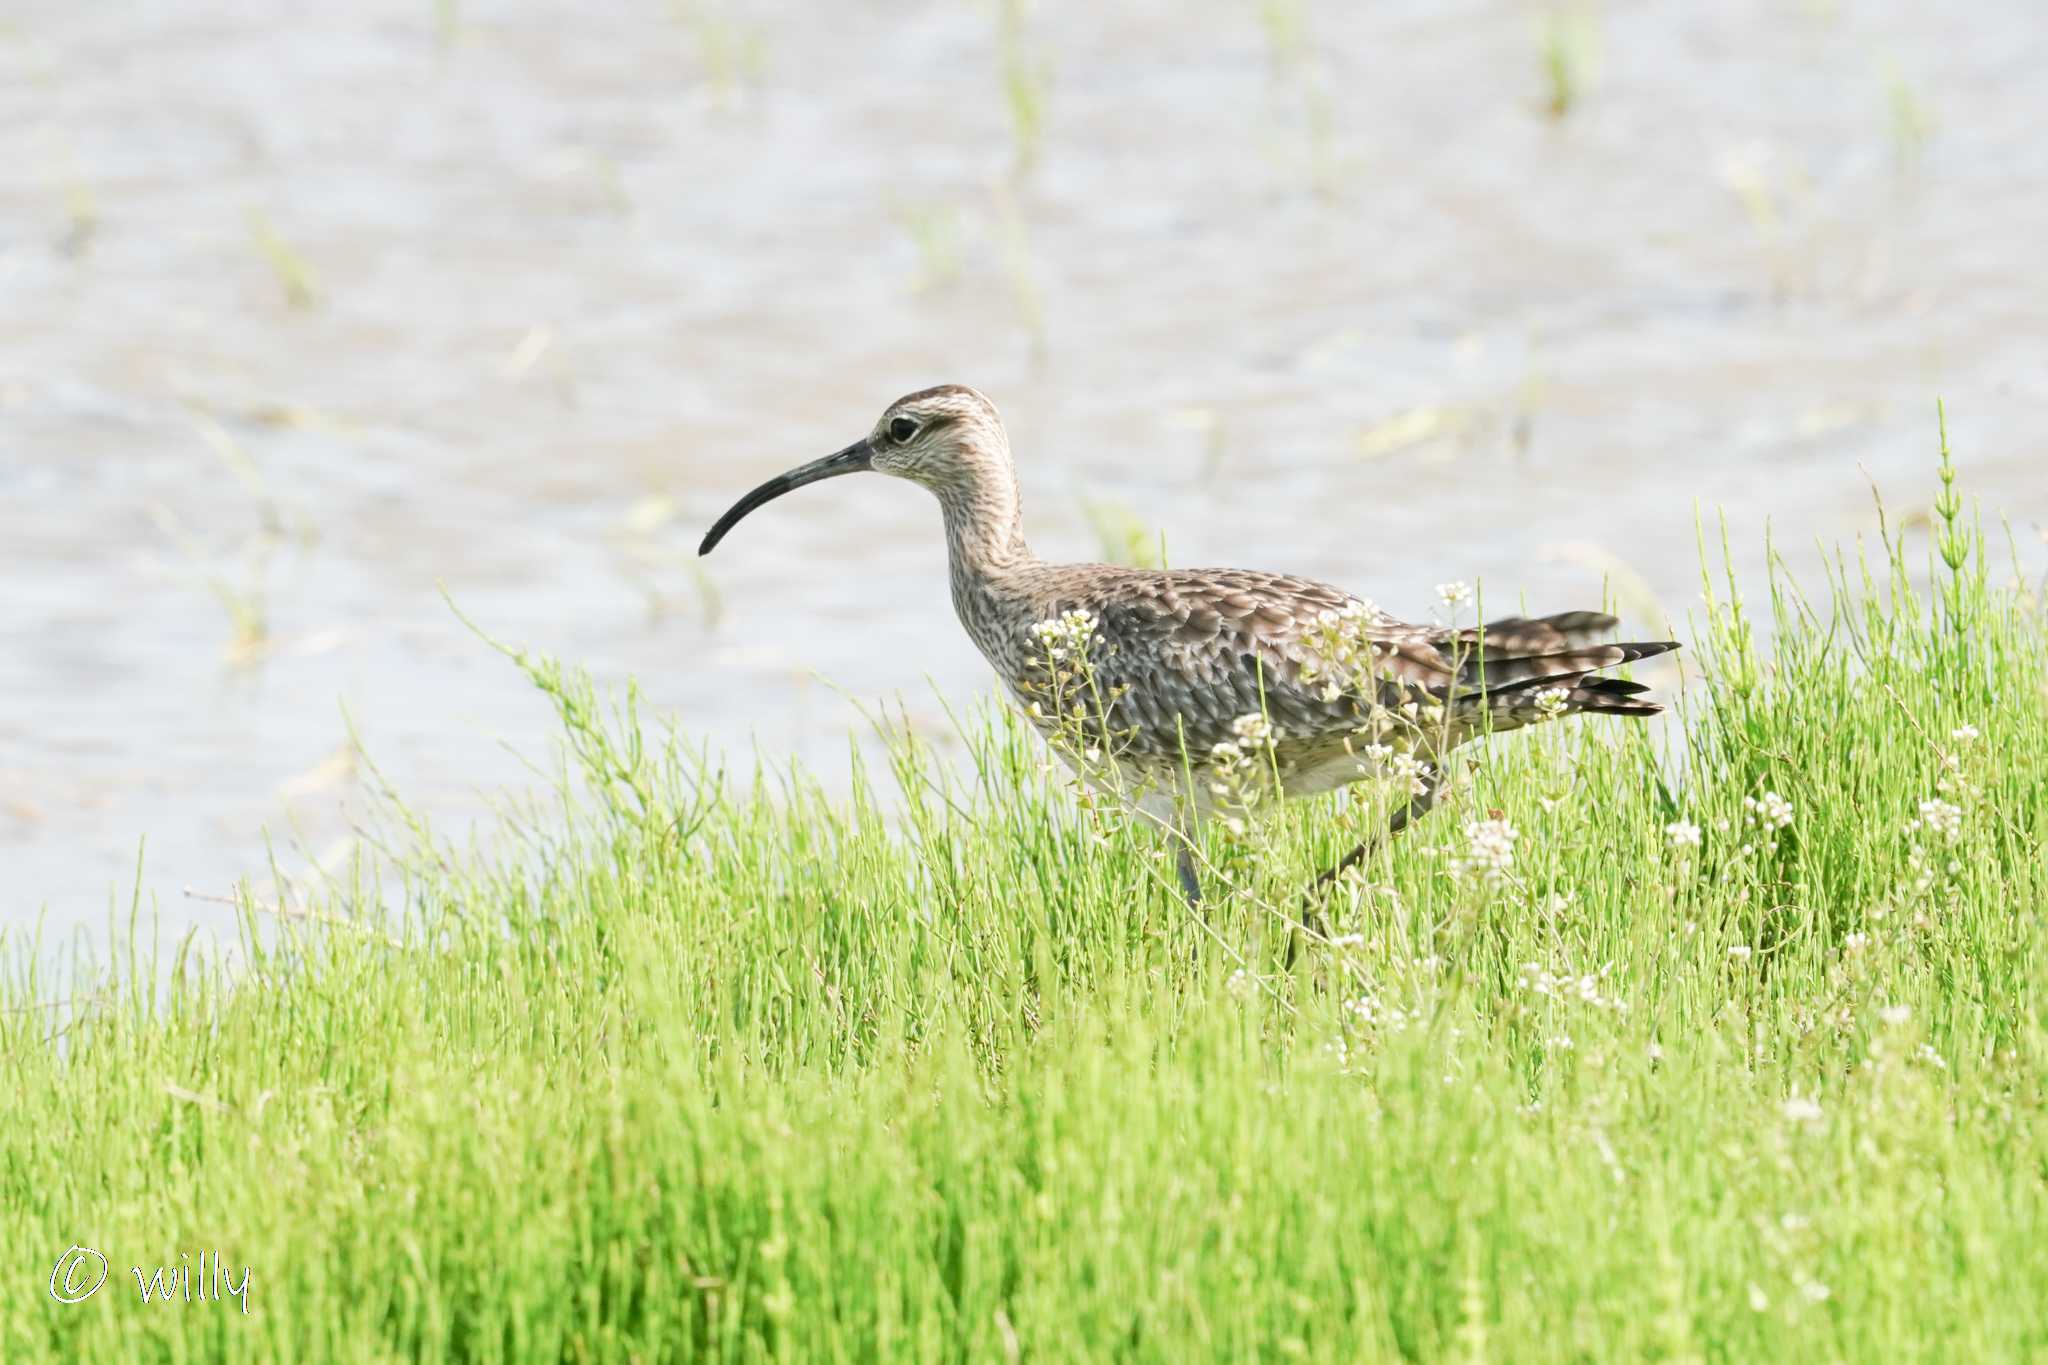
{"x": 1186, "y": 672}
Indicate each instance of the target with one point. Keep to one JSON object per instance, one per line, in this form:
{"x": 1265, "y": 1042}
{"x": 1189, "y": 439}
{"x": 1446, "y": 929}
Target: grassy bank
{"x": 945, "y": 1070}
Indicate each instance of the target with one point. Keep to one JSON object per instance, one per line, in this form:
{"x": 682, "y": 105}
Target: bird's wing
{"x": 1185, "y": 653}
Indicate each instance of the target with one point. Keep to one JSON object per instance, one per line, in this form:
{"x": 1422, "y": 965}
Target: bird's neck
{"x": 984, "y": 529}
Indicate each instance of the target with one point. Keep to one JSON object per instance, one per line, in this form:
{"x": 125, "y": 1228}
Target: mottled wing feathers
{"x": 1543, "y": 635}
{"x": 1186, "y": 652}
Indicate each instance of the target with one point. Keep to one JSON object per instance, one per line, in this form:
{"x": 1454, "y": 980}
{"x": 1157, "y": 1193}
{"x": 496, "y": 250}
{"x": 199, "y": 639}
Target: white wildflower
{"x": 1856, "y": 942}
{"x": 1758, "y": 1300}
{"x": 1895, "y": 1015}
{"x": 1814, "y": 1291}
{"x": 1372, "y": 1012}
{"x": 1928, "y": 1055}
{"x": 1454, "y": 594}
{"x": 1071, "y": 632}
{"x": 1240, "y": 983}
{"x": 1799, "y": 1109}
{"x": 1374, "y": 758}
{"x": 1923, "y": 871}
{"x": 1410, "y": 775}
{"x": 1567, "y": 988}
{"x": 1683, "y": 834}
{"x": 1491, "y": 846}
{"x": 1769, "y": 811}
{"x": 1740, "y": 951}
{"x": 1942, "y": 818}
{"x": 1551, "y": 702}
{"x": 1254, "y": 731}
{"x": 1963, "y": 734}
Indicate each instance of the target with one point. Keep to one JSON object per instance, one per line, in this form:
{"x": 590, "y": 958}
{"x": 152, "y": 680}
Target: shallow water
{"x": 1316, "y": 288}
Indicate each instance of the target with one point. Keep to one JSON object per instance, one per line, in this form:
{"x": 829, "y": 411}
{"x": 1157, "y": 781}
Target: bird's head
{"x": 949, "y": 439}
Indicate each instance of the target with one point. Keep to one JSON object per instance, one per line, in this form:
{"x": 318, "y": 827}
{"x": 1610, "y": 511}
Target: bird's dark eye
{"x": 902, "y": 429}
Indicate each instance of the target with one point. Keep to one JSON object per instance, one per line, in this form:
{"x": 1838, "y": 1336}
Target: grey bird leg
{"x": 1410, "y": 811}
{"x": 1190, "y": 884}
{"x": 1182, "y": 833}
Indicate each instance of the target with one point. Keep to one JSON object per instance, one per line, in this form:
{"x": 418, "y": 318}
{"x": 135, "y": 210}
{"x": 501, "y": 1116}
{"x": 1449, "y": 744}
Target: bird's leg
{"x": 1405, "y": 814}
{"x": 1190, "y": 884}
{"x": 1180, "y": 831}
{"x": 1409, "y": 811}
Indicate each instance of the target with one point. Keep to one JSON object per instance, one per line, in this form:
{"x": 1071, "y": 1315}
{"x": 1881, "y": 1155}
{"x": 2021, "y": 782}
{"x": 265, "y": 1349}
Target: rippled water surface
{"x": 302, "y": 318}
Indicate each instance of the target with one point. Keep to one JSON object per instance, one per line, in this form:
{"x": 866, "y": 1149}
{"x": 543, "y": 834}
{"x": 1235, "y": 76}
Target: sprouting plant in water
{"x": 1285, "y": 24}
{"x": 1911, "y": 119}
{"x": 82, "y": 217}
{"x": 269, "y": 509}
{"x": 1027, "y": 81}
{"x": 729, "y": 53}
{"x": 447, "y": 24}
{"x": 1746, "y": 171}
{"x": 1569, "y": 47}
{"x": 1299, "y": 76}
{"x": 239, "y": 580}
{"x": 242, "y": 593}
{"x": 285, "y": 262}
{"x": 81, "y": 207}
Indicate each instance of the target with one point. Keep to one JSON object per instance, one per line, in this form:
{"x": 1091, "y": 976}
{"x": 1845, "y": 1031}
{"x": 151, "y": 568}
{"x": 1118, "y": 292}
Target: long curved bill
{"x": 852, "y": 460}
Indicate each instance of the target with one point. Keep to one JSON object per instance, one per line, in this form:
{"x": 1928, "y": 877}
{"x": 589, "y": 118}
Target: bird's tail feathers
{"x": 1521, "y": 691}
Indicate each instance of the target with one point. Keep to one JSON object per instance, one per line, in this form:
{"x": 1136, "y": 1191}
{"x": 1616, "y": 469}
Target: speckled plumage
{"x": 1182, "y": 654}
{"x": 1185, "y": 653}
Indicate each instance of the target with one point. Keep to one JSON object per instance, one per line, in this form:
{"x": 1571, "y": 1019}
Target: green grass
{"x": 702, "y": 1068}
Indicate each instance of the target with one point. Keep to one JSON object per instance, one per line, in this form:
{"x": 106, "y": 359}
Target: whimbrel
{"x": 1189, "y": 670}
